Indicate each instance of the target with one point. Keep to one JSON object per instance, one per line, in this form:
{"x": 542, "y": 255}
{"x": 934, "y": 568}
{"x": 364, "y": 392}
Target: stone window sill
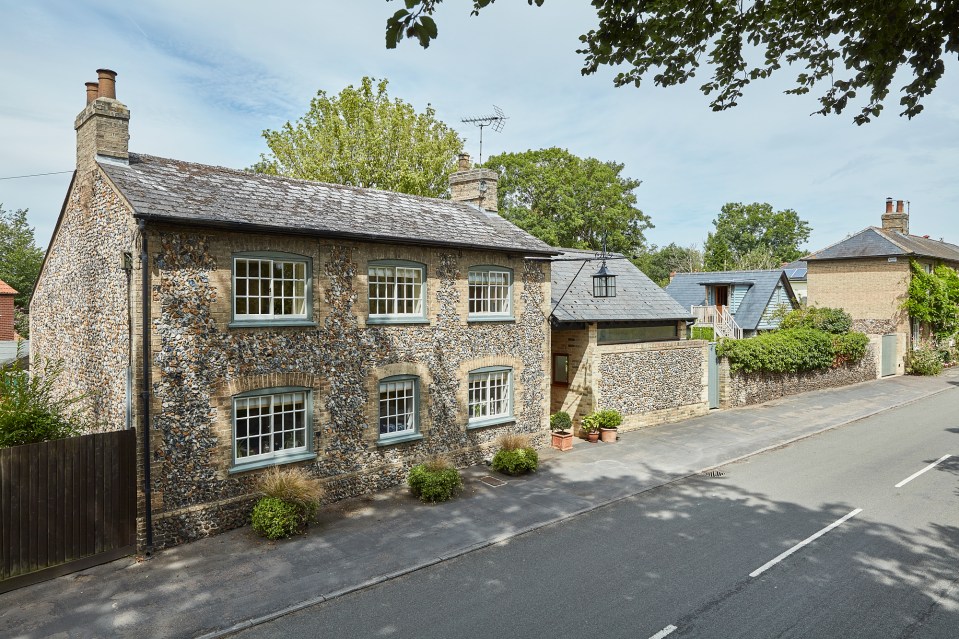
{"x": 486, "y": 423}
{"x": 271, "y": 323}
{"x": 403, "y": 439}
{"x": 273, "y": 461}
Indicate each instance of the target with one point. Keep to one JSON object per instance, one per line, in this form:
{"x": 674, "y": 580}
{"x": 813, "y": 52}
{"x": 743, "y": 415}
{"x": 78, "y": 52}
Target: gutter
{"x": 146, "y": 328}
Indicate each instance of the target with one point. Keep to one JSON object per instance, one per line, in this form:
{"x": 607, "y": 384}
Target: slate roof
{"x": 877, "y": 242}
{"x": 188, "y": 193}
{"x": 6, "y": 289}
{"x": 689, "y": 289}
{"x": 796, "y": 271}
{"x": 637, "y": 299}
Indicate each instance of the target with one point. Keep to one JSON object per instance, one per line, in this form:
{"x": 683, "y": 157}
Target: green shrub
{"x": 849, "y": 347}
{"x": 924, "y": 361}
{"x": 609, "y": 418}
{"x": 275, "y": 518}
{"x": 703, "y": 332}
{"x": 434, "y": 480}
{"x": 830, "y": 320}
{"x": 560, "y": 421}
{"x": 31, "y": 410}
{"x": 293, "y": 486}
{"x": 516, "y": 461}
{"x": 784, "y": 351}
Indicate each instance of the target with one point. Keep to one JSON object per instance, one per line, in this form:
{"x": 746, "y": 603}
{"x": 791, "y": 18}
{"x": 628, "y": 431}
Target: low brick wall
{"x": 743, "y": 389}
{"x": 652, "y": 383}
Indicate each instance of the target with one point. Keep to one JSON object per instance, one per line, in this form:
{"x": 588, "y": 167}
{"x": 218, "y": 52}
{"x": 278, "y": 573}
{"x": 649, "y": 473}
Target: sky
{"x": 204, "y": 79}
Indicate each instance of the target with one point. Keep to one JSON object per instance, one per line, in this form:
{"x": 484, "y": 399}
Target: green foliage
{"x": 516, "y": 461}
{"x": 924, "y": 361}
{"x": 569, "y": 201}
{"x": 602, "y": 419}
{"x": 783, "y": 351}
{"x": 750, "y": 236}
{"x": 854, "y": 48}
{"x": 434, "y": 481}
{"x": 21, "y": 323}
{"x": 276, "y": 518}
{"x": 849, "y": 347}
{"x": 823, "y": 318}
{"x": 362, "y": 138}
{"x": 933, "y": 299}
{"x": 560, "y": 421}
{"x": 31, "y": 409}
{"x": 293, "y": 486}
{"x": 658, "y": 262}
{"x": 703, "y": 332}
{"x": 20, "y": 258}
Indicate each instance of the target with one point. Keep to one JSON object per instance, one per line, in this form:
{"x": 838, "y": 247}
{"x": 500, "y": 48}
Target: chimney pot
{"x": 888, "y": 205}
{"x": 93, "y": 91}
{"x": 899, "y": 206}
{"x": 464, "y": 162}
{"x": 108, "y": 83}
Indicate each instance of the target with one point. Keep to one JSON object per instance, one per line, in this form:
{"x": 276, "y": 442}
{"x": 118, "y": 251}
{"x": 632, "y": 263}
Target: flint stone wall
{"x": 652, "y": 383}
{"x": 743, "y": 389}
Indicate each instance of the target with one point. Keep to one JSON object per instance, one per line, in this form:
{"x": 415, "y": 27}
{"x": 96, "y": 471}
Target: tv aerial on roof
{"x": 495, "y": 121}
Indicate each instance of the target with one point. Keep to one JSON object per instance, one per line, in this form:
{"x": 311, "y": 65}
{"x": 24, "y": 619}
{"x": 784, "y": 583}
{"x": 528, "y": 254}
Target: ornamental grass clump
{"x": 434, "y": 480}
{"x": 290, "y": 501}
{"x": 515, "y": 455}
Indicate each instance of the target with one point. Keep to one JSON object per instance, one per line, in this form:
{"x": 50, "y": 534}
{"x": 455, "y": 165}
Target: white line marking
{"x": 802, "y": 543}
{"x": 929, "y": 467}
{"x": 668, "y": 630}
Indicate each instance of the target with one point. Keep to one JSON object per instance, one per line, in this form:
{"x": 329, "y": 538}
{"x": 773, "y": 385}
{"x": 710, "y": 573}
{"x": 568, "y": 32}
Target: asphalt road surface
{"x": 850, "y": 534}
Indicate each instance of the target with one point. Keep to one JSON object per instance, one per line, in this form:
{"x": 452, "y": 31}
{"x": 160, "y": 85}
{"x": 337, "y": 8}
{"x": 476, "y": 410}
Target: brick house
{"x": 622, "y": 347}
{"x": 868, "y": 274}
{"x": 10, "y": 345}
{"x": 350, "y": 331}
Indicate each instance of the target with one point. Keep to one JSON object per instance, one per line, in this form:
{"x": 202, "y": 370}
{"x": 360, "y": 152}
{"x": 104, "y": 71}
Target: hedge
{"x": 792, "y": 351}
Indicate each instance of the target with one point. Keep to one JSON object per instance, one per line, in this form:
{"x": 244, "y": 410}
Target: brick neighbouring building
{"x": 868, "y": 275}
{"x": 350, "y": 331}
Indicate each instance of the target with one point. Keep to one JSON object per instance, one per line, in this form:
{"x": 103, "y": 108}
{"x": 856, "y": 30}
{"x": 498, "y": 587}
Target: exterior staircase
{"x": 719, "y": 319}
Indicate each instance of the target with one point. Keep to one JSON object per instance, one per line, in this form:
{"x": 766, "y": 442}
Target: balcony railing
{"x": 719, "y": 319}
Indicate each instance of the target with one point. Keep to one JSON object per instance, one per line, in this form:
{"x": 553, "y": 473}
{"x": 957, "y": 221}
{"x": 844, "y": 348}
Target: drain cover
{"x": 492, "y": 481}
{"x": 713, "y": 473}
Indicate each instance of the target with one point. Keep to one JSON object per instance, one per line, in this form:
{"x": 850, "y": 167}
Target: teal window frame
{"x": 486, "y": 269}
{"x": 385, "y": 439}
{"x": 274, "y": 458}
{"x": 484, "y": 421}
{"x": 272, "y": 319}
{"x": 394, "y": 317}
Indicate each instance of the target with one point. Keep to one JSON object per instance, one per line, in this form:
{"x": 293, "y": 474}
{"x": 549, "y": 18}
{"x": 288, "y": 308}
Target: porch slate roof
{"x": 689, "y": 289}
{"x": 187, "y": 193}
{"x": 637, "y": 299}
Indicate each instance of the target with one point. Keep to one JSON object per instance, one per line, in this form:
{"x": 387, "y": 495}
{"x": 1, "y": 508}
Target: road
{"x": 853, "y": 533}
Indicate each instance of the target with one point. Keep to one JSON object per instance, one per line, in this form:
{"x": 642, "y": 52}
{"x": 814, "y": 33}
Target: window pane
{"x": 269, "y": 424}
{"x": 397, "y": 411}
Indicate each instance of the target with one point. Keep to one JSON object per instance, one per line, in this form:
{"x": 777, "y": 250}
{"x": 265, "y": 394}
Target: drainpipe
{"x": 145, "y": 325}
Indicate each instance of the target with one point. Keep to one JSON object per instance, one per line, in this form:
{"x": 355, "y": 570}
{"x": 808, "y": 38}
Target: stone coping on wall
{"x": 651, "y": 346}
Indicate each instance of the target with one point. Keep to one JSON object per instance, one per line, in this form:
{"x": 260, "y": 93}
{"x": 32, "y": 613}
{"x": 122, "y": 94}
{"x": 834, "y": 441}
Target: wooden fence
{"x": 66, "y": 505}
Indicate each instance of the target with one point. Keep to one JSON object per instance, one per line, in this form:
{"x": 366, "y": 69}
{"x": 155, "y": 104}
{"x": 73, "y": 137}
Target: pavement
{"x": 217, "y": 586}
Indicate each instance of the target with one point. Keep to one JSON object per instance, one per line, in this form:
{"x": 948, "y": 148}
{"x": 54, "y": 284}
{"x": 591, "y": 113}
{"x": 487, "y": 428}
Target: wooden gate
{"x": 66, "y": 505}
{"x": 713, "y": 376}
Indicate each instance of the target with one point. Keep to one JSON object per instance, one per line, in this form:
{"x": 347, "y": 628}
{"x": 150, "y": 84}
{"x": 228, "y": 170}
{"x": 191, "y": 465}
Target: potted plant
{"x": 608, "y": 420}
{"x": 590, "y": 428}
{"x": 562, "y": 429}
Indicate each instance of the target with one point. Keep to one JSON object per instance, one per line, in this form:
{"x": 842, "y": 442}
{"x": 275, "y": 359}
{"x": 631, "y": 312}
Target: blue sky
{"x": 203, "y": 79}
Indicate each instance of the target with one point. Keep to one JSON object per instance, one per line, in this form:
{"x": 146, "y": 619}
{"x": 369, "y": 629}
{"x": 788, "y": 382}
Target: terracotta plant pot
{"x": 592, "y": 437}
{"x": 562, "y": 440}
{"x": 607, "y": 435}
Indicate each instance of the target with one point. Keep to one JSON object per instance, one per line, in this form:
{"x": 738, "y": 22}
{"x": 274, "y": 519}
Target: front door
{"x": 722, "y": 297}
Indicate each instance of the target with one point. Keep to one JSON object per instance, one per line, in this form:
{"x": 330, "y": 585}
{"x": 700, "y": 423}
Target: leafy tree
{"x": 362, "y": 138}
{"x": 569, "y": 201}
{"x": 934, "y": 299}
{"x": 750, "y": 235}
{"x": 846, "y": 44}
{"x": 658, "y": 262}
{"x": 20, "y": 257}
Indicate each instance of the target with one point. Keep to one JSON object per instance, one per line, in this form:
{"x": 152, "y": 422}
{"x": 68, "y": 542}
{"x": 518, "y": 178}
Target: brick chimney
{"x": 7, "y": 333}
{"x": 897, "y": 220}
{"x": 103, "y": 127}
{"x": 475, "y": 186}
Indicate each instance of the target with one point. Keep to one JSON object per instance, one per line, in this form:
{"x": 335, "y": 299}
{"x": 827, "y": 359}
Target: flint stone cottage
{"x": 625, "y": 349}
{"x": 868, "y": 275}
{"x": 347, "y": 330}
